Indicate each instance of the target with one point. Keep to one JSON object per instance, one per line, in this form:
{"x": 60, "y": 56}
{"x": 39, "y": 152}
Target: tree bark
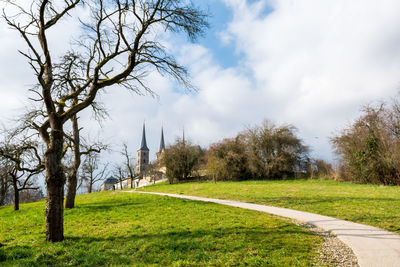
{"x": 3, "y": 191}
{"x": 73, "y": 177}
{"x": 72, "y": 183}
{"x": 55, "y": 187}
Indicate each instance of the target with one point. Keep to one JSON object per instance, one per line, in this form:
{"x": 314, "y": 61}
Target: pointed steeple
{"x": 162, "y": 144}
{"x": 143, "y": 145}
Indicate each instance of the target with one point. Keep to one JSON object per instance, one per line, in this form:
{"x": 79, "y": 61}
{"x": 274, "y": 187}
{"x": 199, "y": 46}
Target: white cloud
{"x": 317, "y": 62}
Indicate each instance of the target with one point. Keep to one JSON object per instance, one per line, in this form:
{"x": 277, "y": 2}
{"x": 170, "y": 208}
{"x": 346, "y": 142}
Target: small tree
{"x": 129, "y": 163}
{"x": 275, "y": 152}
{"x": 370, "y": 147}
{"x": 120, "y": 174}
{"x": 92, "y": 172}
{"x": 79, "y": 149}
{"x": 23, "y": 163}
{"x": 228, "y": 159}
{"x": 181, "y": 160}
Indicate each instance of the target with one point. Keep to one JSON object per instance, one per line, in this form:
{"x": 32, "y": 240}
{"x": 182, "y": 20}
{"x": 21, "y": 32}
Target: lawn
{"x": 118, "y": 228}
{"x": 368, "y": 204}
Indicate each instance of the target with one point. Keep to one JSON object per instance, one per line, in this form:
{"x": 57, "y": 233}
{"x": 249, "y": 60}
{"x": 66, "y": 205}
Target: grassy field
{"x": 117, "y": 228}
{"x": 368, "y": 204}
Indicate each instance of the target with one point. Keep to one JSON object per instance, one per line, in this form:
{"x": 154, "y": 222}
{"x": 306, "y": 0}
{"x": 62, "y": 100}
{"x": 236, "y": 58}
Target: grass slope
{"x": 368, "y": 204}
{"x": 117, "y": 228}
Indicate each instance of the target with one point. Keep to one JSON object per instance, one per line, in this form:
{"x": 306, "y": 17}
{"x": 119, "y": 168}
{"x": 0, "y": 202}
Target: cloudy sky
{"x": 310, "y": 63}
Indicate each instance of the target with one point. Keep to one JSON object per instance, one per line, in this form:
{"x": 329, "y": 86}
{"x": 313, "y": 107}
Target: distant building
{"x": 109, "y": 184}
{"x": 161, "y": 151}
{"x": 142, "y": 162}
{"x": 142, "y": 154}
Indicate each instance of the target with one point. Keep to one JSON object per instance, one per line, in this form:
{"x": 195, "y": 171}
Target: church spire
{"x": 162, "y": 144}
{"x": 143, "y": 145}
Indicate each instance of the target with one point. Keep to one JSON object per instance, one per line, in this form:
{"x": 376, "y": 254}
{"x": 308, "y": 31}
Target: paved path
{"x": 372, "y": 246}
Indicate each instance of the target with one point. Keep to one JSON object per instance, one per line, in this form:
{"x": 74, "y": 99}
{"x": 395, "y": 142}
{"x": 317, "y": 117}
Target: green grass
{"x": 368, "y": 204}
{"x": 117, "y": 228}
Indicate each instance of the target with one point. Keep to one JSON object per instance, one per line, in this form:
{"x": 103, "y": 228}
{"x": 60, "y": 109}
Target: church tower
{"x": 142, "y": 154}
{"x": 162, "y": 146}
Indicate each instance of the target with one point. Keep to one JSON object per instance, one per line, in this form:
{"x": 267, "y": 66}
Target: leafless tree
{"x": 79, "y": 149}
{"x": 118, "y": 47}
{"x": 24, "y": 163}
{"x": 120, "y": 174}
{"x": 5, "y": 183}
{"x": 92, "y": 172}
{"x": 129, "y": 163}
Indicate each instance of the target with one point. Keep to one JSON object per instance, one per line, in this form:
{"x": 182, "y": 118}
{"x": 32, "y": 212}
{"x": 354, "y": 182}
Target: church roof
{"x": 162, "y": 144}
{"x": 143, "y": 145}
{"x": 111, "y": 180}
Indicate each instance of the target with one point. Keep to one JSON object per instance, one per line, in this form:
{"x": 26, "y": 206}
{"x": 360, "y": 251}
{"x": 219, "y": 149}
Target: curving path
{"x": 372, "y": 246}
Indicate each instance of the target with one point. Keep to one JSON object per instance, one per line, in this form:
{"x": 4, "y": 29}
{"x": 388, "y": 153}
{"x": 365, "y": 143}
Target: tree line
{"x": 368, "y": 150}
{"x": 261, "y": 152}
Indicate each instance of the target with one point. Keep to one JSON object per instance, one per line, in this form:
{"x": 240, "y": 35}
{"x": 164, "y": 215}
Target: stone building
{"x": 109, "y": 184}
{"x": 142, "y": 162}
{"x": 161, "y": 151}
{"x": 142, "y": 154}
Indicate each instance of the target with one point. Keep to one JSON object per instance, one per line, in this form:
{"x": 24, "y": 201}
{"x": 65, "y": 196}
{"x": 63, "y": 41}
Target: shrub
{"x": 370, "y": 147}
{"x": 228, "y": 159}
{"x": 275, "y": 152}
{"x": 181, "y": 160}
{"x": 261, "y": 152}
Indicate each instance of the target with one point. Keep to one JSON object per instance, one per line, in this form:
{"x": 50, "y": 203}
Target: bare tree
{"x": 118, "y": 33}
{"x": 92, "y": 172}
{"x": 120, "y": 174}
{"x": 5, "y": 183}
{"x": 129, "y": 163}
{"x": 24, "y": 163}
{"x": 79, "y": 149}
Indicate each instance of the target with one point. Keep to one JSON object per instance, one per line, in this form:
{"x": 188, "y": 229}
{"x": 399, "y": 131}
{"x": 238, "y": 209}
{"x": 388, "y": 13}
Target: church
{"x": 143, "y": 160}
{"x": 143, "y": 152}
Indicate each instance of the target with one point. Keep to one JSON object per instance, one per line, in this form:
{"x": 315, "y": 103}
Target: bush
{"x": 321, "y": 169}
{"x": 276, "y": 152}
{"x": 262, "y": 152}
{"x": 370, "y": 147}
{"x": 181, "y": 160}
{"x": 228, "y": 159}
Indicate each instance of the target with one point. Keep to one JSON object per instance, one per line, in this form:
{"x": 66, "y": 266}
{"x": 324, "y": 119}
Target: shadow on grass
{"x": 165, "y": 248}
{"x": 322, "y": 199}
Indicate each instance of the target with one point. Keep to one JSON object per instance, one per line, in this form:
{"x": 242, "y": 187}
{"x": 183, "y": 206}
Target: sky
{"x": 309, "y": 63}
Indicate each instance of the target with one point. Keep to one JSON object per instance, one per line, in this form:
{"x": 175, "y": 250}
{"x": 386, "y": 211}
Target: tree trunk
{"x": 73, "y": 177}
{"x": 16, "y": 195}
{"x": 72, "y": 183}
{"x": 55, "y": 187}
{"x": 3, "y": 191}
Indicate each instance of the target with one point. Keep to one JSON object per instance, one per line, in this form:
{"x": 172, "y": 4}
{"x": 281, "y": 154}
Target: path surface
{"x": 372, "y": 246}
